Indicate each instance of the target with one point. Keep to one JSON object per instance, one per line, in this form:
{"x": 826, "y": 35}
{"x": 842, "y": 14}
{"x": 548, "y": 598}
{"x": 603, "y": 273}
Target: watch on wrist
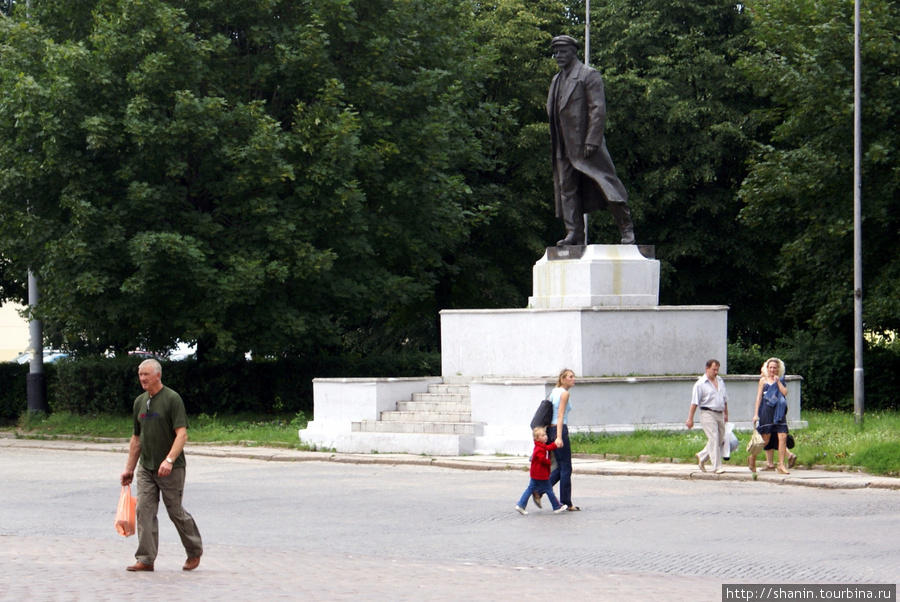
{"x": 170, "y": 460}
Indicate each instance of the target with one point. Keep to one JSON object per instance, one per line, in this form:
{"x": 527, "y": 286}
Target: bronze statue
{"x": 584, "y": 177}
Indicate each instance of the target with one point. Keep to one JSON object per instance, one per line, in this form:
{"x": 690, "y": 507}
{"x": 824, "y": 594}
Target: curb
{"x": 582, "y": 463}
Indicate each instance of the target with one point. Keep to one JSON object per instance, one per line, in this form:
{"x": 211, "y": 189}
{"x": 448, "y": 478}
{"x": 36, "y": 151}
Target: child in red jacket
{"x": 540, "y": 473}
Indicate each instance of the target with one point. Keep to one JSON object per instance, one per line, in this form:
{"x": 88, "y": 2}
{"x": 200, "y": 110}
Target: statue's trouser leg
{"x": 621, "y": 213}
{"x": 572, "y": 212}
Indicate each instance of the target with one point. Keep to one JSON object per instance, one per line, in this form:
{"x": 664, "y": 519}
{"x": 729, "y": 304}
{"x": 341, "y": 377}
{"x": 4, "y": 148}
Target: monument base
{"x": 596, "y": 341}
{"x": 501, "y": 409}
{"x": 595, "y": 276}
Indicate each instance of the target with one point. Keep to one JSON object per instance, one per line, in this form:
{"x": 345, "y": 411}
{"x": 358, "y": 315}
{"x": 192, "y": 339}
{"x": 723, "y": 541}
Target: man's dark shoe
{"x": 139, "y": 566}
{"x": 570, "y": 240}
{"x": 191, "y": 563}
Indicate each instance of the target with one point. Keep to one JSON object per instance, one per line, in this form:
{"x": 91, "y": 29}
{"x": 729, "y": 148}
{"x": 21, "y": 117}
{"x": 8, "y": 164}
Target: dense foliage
{"x": 800, "y": 184}
{"x": 254, "y": 176}
{"x": 324, "y": 177}
{"x": 682, "y": 134}
{"x": 800, "y": 187}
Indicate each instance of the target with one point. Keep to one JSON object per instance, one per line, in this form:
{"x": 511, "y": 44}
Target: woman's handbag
{"x": 544, "y": 415}
{"x": 756, "y": 443}
{"x": 125, "y": 513}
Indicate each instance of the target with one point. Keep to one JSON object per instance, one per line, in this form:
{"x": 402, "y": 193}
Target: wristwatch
{"x": 170, "y": 460}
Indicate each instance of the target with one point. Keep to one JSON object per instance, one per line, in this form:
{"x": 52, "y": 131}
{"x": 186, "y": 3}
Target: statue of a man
{"x": 584, "y": 177}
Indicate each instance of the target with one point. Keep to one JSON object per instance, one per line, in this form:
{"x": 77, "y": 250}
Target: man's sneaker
{"x": 561, "y": 509}
{"x": 521, "y": 510}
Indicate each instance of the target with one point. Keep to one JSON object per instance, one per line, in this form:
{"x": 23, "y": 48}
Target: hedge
{"x": 826, "y": 365}
{"x": 109, "y": 385}
{"x": 13, "y": 390}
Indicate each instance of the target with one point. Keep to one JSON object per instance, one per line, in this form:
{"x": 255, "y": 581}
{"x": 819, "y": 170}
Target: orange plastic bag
{"x": 125, "y": 514}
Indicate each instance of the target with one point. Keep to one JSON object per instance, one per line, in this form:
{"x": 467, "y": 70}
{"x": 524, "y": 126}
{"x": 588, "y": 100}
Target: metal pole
{"x": 858, "y": 383}
{"x": 587, "y": 61}
{"x": 36, "y": 384}
{"x": 587, "y": 32}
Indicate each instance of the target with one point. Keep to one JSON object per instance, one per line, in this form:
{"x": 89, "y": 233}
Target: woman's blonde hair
{"x": 765, "y": 365}
{"x": 562, "y": 375}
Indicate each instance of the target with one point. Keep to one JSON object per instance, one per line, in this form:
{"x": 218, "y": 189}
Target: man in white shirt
{"x": 710, "y": 396}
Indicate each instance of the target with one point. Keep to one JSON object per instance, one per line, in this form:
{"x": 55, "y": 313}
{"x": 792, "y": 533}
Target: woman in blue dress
{"x": 771, "y": 410}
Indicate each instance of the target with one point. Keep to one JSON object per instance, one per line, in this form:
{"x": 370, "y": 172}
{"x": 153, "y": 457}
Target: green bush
{"x": 96, "y": 385}
{"x": 881, "y": 373}
{"x": 13, "y": 383}
{"x": 826, "y": 364}
{"x": 105, "y": 385}
{"x": 14, "y": 389}
{"x": 745, "y": 358}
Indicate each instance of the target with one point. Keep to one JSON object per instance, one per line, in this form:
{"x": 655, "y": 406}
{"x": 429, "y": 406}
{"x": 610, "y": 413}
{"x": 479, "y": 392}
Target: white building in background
{"x": 13, "y": 332}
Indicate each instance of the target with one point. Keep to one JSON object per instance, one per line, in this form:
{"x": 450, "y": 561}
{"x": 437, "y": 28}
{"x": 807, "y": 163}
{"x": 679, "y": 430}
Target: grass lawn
{"x": 239, "y": 429}
{"x": 833, "y": 439}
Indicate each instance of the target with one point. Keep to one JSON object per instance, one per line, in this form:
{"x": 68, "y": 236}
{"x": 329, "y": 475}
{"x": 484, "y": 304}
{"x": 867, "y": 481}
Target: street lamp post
{"x": 587, "y": 61}
{"x": 858, "y": 383}
{"x": 37, "y": 380}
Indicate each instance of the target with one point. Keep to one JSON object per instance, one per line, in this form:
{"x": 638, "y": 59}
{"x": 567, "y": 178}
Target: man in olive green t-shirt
{"x": 160, "y": 432}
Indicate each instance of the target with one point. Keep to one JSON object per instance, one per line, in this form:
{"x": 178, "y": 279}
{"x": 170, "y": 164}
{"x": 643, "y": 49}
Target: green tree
{"x": 800, "y": 185}
{"x": 261, "y": 176}
{"x": 680, "y": 133}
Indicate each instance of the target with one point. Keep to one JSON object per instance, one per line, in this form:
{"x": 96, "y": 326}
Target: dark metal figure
{"x": 584, "y": 177}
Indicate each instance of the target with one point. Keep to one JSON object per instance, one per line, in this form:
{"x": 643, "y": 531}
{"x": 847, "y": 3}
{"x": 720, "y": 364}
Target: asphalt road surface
{"x": 326, "y": 531}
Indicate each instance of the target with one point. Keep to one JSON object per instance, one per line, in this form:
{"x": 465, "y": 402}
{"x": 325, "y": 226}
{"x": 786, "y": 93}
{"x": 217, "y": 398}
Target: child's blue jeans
{"x": 541, "y": 487}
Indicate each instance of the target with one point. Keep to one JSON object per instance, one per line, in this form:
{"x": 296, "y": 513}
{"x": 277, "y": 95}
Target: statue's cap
{"x": 563, "y": 41}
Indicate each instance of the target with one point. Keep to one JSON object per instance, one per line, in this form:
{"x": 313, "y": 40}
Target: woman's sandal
{"x": 792, "y": 460}
{"x": 573, "y": 509}
{"x": 769, "y": 467}
{"x": 751, "y": 463}
{"x": 782, "y": 469}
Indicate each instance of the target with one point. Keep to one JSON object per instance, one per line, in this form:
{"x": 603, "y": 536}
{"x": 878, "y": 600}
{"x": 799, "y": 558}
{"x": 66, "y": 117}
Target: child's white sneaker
{"x": 561, "y": 509}
{"x": 522, "y": 510}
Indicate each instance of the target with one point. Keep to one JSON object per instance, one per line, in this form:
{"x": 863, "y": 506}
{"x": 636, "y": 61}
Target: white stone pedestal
{"x": 595, "y": 276}
{"x": 596, "y": 341}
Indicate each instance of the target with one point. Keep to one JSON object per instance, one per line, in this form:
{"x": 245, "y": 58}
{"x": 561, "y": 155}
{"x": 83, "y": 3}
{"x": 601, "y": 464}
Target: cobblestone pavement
{"x": 415, "y": 531}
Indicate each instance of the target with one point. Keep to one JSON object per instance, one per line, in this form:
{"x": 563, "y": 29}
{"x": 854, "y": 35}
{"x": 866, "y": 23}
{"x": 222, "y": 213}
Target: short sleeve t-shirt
{"x": 556, "y": 399}
{"x": 155, "y": 421}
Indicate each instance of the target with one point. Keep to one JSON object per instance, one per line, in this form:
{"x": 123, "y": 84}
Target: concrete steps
{"x": 418, "y": 428}
{"x": 423, "y": 415}
{"x": 455, "y": 407}
{"x": 445, "y": 411}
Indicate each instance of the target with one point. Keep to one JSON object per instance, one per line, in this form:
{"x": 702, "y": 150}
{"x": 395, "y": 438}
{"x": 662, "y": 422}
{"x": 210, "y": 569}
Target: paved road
{"x": 328, "y": 531}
